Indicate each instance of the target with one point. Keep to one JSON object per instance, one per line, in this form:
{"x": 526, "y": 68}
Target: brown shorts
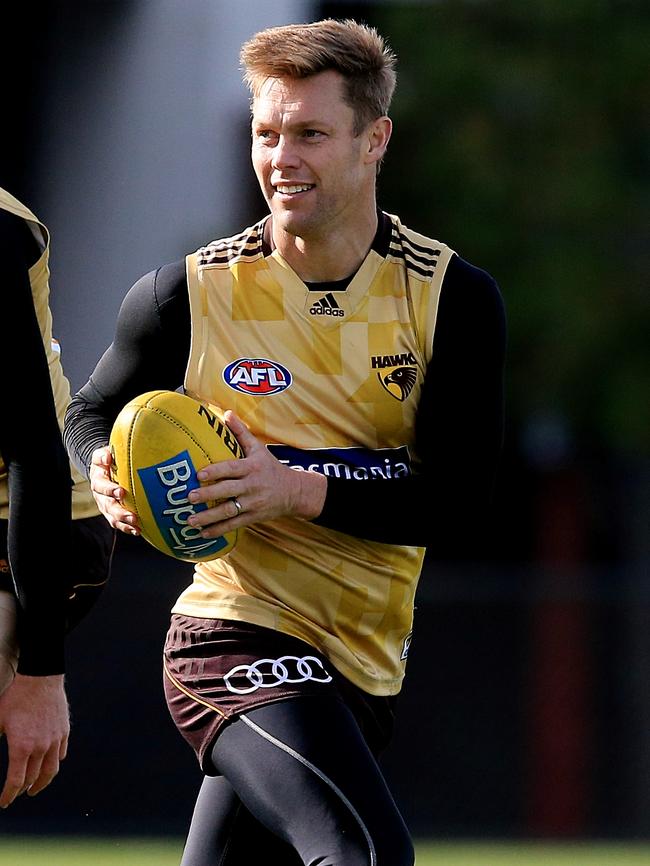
{"x": 215, "y": 670}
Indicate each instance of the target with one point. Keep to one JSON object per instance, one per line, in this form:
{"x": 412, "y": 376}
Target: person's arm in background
{"x": 33, "y": 710}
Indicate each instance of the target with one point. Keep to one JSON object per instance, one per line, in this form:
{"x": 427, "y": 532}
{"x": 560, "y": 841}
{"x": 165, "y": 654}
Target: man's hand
{"x": 264, "y": 488}
{"x": 109, "y": 495}
{"x": 35, "y": 719}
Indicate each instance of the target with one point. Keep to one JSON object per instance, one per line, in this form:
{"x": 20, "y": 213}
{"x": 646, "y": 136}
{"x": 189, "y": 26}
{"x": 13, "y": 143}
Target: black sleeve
{"x": 39, "y": 527}
{"x": 459, "y": 431}
{"x": 150, "y": 350}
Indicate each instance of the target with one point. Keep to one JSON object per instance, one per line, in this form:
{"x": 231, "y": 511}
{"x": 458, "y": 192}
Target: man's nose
{"x": 285, "y": 154}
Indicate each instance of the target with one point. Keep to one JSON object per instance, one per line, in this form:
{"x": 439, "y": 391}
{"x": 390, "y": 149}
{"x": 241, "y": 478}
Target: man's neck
{"x": 324, "y": 259}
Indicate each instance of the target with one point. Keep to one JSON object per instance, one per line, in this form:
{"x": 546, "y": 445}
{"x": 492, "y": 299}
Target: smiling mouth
{"x": 292, "y": 188}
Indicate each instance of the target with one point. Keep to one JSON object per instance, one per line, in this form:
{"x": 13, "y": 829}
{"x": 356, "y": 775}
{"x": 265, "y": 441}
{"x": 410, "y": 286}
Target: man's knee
{"x": 402, "y": 853}
{"x": 346, "y": 838}
{"x": 395, "y": 847}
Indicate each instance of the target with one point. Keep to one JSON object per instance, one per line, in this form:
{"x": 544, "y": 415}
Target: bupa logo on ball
{"x": 257, "y": 376}
{"x": 166, "y": 486}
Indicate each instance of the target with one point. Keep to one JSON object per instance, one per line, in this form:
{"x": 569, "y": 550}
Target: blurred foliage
{"x": 522, "y": 140}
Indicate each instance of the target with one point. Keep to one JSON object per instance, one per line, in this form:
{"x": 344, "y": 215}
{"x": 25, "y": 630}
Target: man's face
{"x": 310, "y": 166}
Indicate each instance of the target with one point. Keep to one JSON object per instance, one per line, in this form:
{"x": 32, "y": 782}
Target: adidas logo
{"x": 326, "y": 306}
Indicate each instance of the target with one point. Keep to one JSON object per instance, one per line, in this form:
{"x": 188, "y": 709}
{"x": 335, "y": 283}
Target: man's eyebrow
{"x": 300, "y": 124}
{"x": 310, "y": 124}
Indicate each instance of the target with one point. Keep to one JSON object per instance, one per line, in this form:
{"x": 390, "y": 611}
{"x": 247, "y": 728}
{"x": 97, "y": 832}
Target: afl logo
{"x": 257, "y": 376}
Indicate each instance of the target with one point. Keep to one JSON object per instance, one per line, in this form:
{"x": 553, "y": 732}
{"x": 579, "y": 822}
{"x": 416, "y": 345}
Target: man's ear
{"x": 377, "y": 137}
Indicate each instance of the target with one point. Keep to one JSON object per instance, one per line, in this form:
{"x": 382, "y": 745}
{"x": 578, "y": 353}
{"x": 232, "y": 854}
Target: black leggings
{"x": 298, "y": 785}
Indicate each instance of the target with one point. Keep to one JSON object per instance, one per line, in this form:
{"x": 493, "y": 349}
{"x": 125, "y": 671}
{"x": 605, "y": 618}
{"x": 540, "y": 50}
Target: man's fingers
{"x": 241, "y": 431}
{"x": 102, "y": 456}
{"x": 9, "y": 794}
{"x": 39, "y": 778}
{"x": 15, "y": 781}
{"x": 106, "y": 487}
{"x": 39, "y": 770}
{"x": 31, "y": 776}
{"x": 128, "y": 524}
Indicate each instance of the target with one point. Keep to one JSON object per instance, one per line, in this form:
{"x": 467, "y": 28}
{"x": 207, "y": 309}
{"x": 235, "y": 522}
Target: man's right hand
{"x": 109, "y": 495}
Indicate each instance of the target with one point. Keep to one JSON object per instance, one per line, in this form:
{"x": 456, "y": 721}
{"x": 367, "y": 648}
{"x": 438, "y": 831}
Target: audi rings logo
{"x": 270, "y": 673}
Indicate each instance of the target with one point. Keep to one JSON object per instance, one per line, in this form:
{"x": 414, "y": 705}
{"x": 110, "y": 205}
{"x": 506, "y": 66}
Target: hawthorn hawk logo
{"x": 396, "y": 373}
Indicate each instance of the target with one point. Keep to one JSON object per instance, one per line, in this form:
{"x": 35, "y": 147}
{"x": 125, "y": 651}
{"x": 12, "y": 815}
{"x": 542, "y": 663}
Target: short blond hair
{"x": 354, "y": 50}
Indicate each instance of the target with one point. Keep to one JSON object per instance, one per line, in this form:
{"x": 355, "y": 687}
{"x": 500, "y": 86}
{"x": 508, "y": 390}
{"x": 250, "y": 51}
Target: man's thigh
{"x": 303, "y": 769}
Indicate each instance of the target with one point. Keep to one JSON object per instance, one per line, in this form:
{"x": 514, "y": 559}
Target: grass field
{"x": 63, "y": 851}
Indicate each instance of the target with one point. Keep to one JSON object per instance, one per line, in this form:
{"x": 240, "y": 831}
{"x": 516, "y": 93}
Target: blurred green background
{"x": 142, "y": 852}
{"x": 524, "y": 134}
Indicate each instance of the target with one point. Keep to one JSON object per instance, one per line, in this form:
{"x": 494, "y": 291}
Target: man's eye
{"x": 311, "y": 133}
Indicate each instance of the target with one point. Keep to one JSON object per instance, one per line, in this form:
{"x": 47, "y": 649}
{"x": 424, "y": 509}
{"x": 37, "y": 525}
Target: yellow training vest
{"x": 330, "y": 383}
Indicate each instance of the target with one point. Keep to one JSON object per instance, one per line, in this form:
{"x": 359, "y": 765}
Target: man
{"x": 52, "y": 568}
{"x": 361, "y": 367}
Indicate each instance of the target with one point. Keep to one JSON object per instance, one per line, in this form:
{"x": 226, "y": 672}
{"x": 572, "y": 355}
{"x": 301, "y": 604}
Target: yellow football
{"x": 159, "y": 441}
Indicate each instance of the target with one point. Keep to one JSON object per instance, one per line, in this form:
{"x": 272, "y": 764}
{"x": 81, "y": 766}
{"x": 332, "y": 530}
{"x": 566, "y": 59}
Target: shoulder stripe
{"x": 225, "y": 252}
{"x": 419, "y": 259}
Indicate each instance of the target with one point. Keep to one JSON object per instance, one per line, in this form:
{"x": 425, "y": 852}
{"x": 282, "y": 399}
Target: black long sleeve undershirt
{"x": 37, "y": 464}
{"x": 459, "y": 421}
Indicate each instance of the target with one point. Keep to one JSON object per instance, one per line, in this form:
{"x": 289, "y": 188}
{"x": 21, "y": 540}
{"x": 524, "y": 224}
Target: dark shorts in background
{"x": 215, "y": 670}
{"x": 93, "y": 542}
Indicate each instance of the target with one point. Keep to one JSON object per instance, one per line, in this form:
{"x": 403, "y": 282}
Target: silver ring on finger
{"x": 237, "y": 506}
